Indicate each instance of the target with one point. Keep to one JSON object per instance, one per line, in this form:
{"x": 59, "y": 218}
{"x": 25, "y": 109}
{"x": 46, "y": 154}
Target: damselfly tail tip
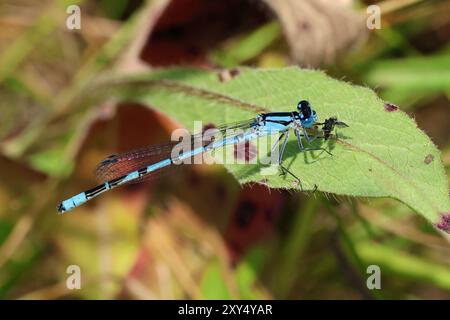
{"x": 61, "y": 208}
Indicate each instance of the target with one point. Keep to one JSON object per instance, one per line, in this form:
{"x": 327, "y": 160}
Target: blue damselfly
{"x": 140, "y": 164}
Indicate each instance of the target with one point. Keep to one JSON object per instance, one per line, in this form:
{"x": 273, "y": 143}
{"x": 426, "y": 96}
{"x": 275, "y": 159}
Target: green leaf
{"x": 50, "y": 162}
{"x": 417, "y": 74}
{"x": 404, "y": 265}
{"x": 380, "y": 154}
{"x": 248, "y": 47}
{"x": 213, "y": 285}
{"x": 248, "y": 271}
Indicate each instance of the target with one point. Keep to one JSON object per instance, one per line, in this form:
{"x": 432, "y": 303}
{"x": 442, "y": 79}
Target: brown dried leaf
{"x": 318, "y": 30}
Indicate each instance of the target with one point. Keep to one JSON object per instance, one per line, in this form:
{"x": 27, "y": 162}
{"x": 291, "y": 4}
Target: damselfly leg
{"x": 328, "y": 125}
{"x": 309, "y": 141}
{"x": 284, "y": 137}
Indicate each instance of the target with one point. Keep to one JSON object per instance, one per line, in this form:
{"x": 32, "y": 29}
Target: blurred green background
{"x": 198, "y": 234}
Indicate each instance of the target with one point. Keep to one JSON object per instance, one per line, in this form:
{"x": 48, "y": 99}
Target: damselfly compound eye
{"x": 304, "y": 108}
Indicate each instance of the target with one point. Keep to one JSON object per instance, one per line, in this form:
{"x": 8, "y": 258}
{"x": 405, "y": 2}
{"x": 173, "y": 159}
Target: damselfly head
{"x": 307, "y": 115}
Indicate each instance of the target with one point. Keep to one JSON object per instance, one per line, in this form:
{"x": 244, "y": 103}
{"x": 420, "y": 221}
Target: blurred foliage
{"x": 199, "y": 234}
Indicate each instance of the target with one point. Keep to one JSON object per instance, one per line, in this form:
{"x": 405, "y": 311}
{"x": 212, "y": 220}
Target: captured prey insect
{"x": 328, "y": 126}
{"x": 137, "y": 165}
